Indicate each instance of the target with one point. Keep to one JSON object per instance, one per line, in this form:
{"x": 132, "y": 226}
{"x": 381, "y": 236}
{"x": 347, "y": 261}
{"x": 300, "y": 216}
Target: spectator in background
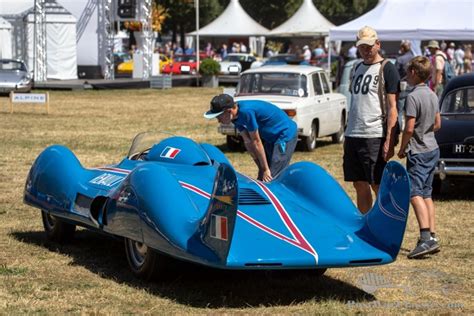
{"x": 177, "y": 49}
{"x": 319, "y": 51}
{"x": 459, "y": 59}
{"x": 405, "y": 56}
{"x": 450, "y": 53}
{"x": 188, "y": 50}
{"x": 223, "y": 51}
{"x": 352, "y": 52}
{"x": 438, "y": 58}
{"x": 243, "y": 48}
{"x": 209, "y": 49}
{"x": 306, "y": 53}
{"x": 467, "y": 58}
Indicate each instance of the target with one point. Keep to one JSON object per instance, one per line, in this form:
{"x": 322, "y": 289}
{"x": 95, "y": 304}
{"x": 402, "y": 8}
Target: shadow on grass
{"x": 199, "y": 286}
{"x": 456, "y": 189}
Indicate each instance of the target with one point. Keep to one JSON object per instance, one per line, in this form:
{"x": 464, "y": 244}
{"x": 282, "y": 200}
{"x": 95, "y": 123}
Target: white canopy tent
{"x": 61, "y": 52}
{"x": 307, "y": 21}
{"x": 5, "y": 39}
{"x": 235, "y": 22}
{"x": 396, "y": 20}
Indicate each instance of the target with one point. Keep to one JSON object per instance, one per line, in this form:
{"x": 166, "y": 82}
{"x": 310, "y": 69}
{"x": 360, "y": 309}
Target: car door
{"x": 332, "y": 107}
{"x": 321, "y": 101}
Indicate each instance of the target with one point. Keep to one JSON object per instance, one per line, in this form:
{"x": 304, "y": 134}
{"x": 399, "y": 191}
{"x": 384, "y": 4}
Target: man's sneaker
{"x": 422, "y": 248}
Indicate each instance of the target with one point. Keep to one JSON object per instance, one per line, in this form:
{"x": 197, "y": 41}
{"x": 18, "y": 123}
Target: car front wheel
{"x": 144, "y": 262}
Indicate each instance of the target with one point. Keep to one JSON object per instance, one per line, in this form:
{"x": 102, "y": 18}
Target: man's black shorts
{"x": 363, "y": 159}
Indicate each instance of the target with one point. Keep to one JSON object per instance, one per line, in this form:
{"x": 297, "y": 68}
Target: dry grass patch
{"x": 91, "y": 274}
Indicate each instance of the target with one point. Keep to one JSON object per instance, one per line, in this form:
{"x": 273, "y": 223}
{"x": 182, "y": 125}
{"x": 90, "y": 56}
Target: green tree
{"x": 182, "y": 15}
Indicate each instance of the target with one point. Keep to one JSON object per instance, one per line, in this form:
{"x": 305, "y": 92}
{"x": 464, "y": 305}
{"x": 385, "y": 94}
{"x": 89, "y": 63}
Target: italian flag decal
{"x": 219, "y": 227}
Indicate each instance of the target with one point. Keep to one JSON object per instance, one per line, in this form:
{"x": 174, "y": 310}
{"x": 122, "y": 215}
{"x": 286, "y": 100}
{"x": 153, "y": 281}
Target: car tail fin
{"x": 385, "y": 223}
{"x": 217, "y": 226}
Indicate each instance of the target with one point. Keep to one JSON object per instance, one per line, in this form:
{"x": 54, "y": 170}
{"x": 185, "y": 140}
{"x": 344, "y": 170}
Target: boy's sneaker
{"x": 435, "y": 245}
{"x": 422, "y": 248}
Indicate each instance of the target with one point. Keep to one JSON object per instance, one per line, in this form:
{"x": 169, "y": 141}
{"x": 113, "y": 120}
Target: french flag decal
{"x": 219, "y": 227}
{"x": 170, "y": 152}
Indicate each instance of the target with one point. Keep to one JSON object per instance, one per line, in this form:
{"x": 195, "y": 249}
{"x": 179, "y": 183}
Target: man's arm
{"x": 392, "y": 116}
{"x": 254, "y": 146}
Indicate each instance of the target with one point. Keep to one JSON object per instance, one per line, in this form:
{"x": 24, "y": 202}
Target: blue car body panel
{"x": 184, "y": 199}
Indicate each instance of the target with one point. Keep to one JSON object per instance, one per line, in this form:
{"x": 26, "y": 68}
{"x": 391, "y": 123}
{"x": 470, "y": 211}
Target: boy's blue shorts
{"x": 421, "y": 168}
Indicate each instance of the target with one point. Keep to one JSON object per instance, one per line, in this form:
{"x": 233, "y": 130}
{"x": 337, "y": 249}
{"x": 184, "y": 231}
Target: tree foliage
{"x": 269, "y": 13}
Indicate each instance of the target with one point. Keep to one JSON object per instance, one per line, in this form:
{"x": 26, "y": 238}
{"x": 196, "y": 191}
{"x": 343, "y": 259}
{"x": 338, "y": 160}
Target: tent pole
{"x": 197, "y": 42}
{"x": 329, "y": 58}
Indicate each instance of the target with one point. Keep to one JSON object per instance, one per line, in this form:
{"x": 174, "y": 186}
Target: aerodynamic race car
{"x": 180, "y": 199}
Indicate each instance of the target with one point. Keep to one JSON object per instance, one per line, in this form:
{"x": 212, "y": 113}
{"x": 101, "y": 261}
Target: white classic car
{"x": 234, "y": 63}
{"x": 303, "y": 92}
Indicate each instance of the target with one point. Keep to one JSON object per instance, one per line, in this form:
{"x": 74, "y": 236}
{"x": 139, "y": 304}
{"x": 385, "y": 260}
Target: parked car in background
{"x": 181, "y": 64}
{"x": 126, "y": 67}
{"x": 235, "y": 63}
{"x": 14, "y": 76}
{"x": 456, "y": 136}
{"x": 303, "y": 92}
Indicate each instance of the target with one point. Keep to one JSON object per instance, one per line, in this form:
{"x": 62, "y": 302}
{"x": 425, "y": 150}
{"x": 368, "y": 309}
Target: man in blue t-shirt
{"x": 269, "y": 135}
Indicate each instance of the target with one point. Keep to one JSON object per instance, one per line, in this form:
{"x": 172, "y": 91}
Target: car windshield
{"x": 282, "y": 58}
{"x": 234, "y": 58}
{"x": 144, "y": 141}
{"x": 459, "y": 101}
{"x": 277, "y": 83}
{"x": 12, "y": 65}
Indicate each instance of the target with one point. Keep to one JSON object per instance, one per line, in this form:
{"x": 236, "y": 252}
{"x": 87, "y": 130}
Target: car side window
{"x": 317, "y": 84}
{"x": 324, "y": 80}
{"x": 459, "y": 101}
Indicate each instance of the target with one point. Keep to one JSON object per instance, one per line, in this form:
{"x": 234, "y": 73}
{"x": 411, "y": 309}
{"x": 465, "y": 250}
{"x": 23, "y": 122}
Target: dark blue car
{"x": 456, "y": 136}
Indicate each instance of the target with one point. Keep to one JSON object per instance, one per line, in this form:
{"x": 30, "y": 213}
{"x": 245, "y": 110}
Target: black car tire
{"x": 56, "y": 229}
{"x": 309, "y": 142}
{"x": 145, "y": 262}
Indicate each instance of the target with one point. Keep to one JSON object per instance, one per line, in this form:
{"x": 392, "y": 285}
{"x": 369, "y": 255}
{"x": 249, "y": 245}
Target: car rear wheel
{"x": 56, "y": 229}
{"x": 339, "y": 136}
{"x": 144, "y": 262}
{"x": 309, "y": 142}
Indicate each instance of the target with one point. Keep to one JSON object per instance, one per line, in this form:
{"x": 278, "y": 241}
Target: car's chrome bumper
{"x": 455, "y": 167}
{"x": 7, "y": 88}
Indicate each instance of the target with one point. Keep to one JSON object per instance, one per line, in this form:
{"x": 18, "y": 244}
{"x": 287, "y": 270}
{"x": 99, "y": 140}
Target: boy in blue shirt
{"x": 270, "y": 136}
{"x": 419, "y": 145}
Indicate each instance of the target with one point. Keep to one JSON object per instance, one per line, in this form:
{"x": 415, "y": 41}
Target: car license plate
{"x": 185, "y": 69}
{"x": 463, "y": 148}
{"x": 234, "y": 69}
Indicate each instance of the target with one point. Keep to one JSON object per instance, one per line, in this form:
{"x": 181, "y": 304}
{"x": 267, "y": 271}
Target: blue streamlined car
{"x": 180, "y": 199}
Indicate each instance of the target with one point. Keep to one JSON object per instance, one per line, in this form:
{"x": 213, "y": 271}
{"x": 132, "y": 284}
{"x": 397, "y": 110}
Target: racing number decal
{"x": 362, "y": 83}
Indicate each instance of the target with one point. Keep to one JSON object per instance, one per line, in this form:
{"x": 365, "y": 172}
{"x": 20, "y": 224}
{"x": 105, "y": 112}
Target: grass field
{"x": 91, "y": 275}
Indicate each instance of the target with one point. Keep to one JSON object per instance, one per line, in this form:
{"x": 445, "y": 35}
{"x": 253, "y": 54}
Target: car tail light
{"x": 290, "y": 112}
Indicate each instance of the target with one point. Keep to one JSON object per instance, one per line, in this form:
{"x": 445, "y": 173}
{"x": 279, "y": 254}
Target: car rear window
{"x": 276, "y": 83}
{"x": 459, "y": 101}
